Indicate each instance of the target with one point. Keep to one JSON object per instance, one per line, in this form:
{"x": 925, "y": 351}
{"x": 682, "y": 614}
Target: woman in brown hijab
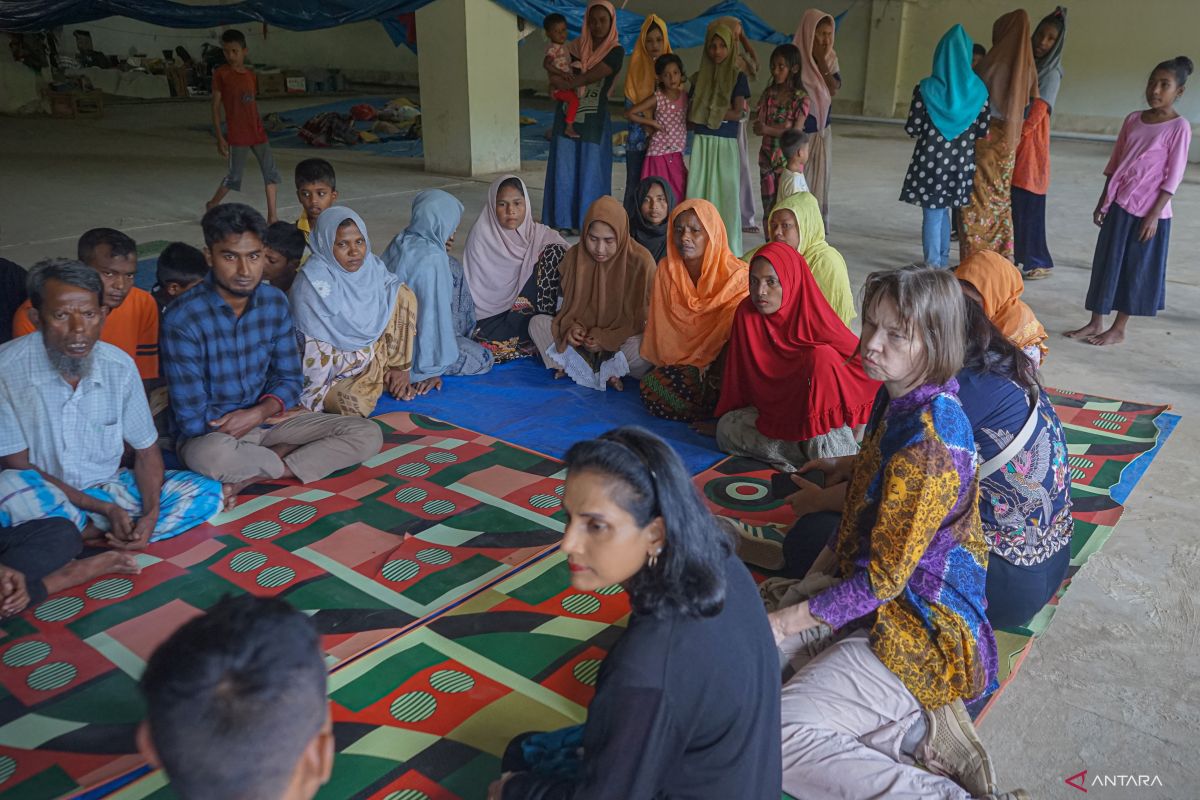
{"x": 597, "y": 334}
{"x": 1010, "y": 74}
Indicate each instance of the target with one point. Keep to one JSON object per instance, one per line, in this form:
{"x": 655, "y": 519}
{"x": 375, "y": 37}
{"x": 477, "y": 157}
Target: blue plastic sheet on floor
{"x": 520, "y": 402}
{"x": 534, "y": 144}
{"x": 1133, "y": 473}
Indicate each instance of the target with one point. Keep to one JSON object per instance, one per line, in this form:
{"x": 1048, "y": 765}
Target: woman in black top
{"x": 687, "y": 701}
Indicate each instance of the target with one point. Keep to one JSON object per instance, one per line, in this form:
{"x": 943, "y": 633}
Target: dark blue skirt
{"x": 1029, "y": 230}
{"x": 577, "y": 173}
{"x": 1128, "y": 275}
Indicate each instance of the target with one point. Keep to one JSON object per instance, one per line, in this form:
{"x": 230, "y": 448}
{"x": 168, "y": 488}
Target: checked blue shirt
{"x": 216, "y": 362}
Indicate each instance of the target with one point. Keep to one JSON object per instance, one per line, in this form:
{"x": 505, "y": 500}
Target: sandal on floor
{"x": 1037, "y": 273}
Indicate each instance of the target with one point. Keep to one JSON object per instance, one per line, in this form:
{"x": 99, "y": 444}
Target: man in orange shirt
{"x": 132, "y": 322}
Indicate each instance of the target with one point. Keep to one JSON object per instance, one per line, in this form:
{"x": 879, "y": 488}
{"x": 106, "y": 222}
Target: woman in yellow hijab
{"x": 796, "y": 220}
{"x": 640, "y": 81}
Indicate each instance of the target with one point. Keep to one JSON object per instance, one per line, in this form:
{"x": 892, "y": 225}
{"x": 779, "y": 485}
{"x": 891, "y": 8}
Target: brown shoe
{"x": 952, "y": 748}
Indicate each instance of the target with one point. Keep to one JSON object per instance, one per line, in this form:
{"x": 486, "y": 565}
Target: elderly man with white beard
{"x": 69, "y": 405}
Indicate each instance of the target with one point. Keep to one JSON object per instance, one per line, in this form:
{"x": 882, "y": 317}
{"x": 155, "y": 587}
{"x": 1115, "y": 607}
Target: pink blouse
{"x": 1145, "y": 160}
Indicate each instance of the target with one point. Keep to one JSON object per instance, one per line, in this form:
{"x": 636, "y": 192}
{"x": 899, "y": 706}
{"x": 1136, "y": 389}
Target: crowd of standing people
{"x": 924, "y": 462}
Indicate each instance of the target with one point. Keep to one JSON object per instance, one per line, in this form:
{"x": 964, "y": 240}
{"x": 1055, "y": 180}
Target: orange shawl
{"x": 608, "y": 299}
{"x": 1000, "y": 285}
{"x": 690, "y": 322}
{"x": 1009, "y": 72}
{"x": 640, "y": 78}
{"x": 1031, "y": 171}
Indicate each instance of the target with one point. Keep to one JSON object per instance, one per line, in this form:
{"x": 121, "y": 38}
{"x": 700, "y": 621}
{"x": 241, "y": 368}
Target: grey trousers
{"x": 327, "y": 443}
{"x": 738, "y": 435}
{"x": 237, "y": 165}
{"x": 747, "y": 178}
{"x": 845, "y": 716}
{"x": 540, "y": 334}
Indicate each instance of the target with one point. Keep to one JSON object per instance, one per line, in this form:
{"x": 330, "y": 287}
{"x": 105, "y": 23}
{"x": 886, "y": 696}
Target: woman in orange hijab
{"x": 697, "y": 289}
{"x": 992, "y": 281}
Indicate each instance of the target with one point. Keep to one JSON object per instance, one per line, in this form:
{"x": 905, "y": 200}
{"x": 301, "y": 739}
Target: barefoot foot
{"x": 558, "y": 374}
{"x": 1091, "y": 329}
{"x": 82, "y": 570}
{"x": 617, "y": 384}
{"x": 1110, "y": 336}
{"x": 230, "y": 492}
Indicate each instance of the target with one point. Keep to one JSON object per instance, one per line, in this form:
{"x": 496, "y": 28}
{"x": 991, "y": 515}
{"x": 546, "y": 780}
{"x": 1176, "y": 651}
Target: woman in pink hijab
{"x": 511, "y": 268}
{"x": 820, "y": 75}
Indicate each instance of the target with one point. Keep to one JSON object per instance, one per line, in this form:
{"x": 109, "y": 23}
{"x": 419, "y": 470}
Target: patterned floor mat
{"x": 428, "y": 715}
{"x": 431, "y": 676}
{"x": 370, "y": 552}
{"x": 1103, "y": 438}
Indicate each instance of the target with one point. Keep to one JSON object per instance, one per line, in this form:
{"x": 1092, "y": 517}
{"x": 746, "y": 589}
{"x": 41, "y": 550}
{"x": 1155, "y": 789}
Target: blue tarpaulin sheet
{"x": 307, "y": 15}
{"x": 520, "y": 402}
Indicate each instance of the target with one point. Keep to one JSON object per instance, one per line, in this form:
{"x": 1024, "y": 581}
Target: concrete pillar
{"x": 467, "y": 61}
{"x": 884, "y": 56}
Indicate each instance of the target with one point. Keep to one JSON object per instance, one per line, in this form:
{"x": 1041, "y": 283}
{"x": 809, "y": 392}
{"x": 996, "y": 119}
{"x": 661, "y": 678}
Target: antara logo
{"x": 1080, "y": 781}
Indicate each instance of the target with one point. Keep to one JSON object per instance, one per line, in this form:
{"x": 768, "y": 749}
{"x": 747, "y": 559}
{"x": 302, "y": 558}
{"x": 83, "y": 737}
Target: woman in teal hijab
{"x": 949, "y": 112}
{"x": 419, "y": 256}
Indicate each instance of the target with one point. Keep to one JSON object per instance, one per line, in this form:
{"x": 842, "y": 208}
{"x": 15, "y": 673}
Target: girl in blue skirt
{"x": 1129, "y": 270}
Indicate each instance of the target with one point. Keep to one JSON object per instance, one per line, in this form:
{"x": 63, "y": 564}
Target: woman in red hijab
{"x": 794, "y": 387}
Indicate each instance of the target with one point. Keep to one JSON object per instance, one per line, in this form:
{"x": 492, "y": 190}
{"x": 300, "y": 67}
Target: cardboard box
{"x": 271, "y": 83}
{"x": 295, "y": 82}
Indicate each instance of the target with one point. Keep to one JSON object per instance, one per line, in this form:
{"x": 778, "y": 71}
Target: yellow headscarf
{"x": 640, "y": 78}
{"x": 827, "y": 265}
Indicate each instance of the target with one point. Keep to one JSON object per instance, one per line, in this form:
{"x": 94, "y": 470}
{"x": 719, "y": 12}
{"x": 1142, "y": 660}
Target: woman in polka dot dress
{"x": 949, "y": 112}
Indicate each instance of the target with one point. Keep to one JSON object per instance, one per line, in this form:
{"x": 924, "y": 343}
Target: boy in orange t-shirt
{"x": 132, "y": 321}
{"x": 234, "y": 87}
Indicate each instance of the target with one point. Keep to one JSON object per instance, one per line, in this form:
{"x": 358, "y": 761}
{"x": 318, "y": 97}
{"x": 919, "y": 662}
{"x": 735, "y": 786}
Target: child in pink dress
{"x": 1129, "y": 269}
{"x": 669, "y": 105}
{"x": 558, "y": 62}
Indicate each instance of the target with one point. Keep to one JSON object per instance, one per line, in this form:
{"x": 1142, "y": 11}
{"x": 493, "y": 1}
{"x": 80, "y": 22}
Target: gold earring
{"x": 653, "y": 561}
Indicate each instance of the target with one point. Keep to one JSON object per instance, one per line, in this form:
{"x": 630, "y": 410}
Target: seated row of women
{"x": 880, "y": 644}
{"x": 598, "y": 311}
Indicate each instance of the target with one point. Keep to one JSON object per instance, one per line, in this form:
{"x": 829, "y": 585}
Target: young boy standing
{"x": 794, "y": 145}
{"x": 316, "y": 189}
{"x": 234, "y": 87}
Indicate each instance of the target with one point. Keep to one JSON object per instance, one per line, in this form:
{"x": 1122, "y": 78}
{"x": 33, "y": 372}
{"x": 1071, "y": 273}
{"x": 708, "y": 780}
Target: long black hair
{"x": 991, "y": 352}
{"x": 650, "y": 481}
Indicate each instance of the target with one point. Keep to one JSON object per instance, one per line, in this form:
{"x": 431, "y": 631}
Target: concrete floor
{"x": 1113, "y": 686}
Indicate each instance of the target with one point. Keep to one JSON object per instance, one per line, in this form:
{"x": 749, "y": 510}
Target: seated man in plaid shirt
{"x": 233, "y": 371}
{"x": 70, "y": 405}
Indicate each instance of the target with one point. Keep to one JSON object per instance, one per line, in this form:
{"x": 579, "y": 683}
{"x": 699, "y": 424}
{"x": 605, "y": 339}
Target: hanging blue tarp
{"x": 688, "y": 33}
{"x": 307, "y": 15}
